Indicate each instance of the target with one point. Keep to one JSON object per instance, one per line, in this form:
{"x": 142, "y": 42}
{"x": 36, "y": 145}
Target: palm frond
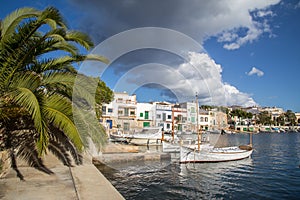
{"x": 57, "y": 64}
{"x": 89, "y": 127}
{"x": 53, "y": 14}
{"x": 58, "y": 111}
{"x": 63, "y": 46}
{"x": 24, "y": 94}
{"x": 97, "y": 58}
{"x": 80, "y": 38}
{"x": 10, "y": 22}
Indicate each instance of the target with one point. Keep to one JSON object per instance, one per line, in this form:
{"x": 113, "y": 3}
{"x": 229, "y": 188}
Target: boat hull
{"x": 226, "y": 154}
{"x": 144, "y": 141}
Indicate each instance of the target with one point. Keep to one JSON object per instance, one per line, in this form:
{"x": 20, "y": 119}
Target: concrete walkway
{"x": 83, "y": 182}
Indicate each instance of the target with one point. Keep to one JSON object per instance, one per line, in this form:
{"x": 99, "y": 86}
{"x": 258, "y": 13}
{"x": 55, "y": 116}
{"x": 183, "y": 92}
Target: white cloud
{"x": 233, "y": 22}
{"x": 255, "y": 71}
{"x": 198, "y": 74}
{"x": 264, "y": 13}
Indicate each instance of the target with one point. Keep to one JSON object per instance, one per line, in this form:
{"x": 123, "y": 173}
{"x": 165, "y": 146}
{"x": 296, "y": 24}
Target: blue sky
{"x": 250, "y": 51}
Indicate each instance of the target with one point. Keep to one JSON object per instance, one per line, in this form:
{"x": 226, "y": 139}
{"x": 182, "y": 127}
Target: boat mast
{"x": 172, "y": 123}
{"x": 251, "y": 140}
{"x": 197, "y": 113}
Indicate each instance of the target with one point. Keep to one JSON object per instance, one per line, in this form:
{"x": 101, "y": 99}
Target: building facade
{"x": 120, "y": 114}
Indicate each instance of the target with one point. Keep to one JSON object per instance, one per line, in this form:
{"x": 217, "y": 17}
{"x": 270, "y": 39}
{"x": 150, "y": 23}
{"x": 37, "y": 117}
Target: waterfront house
{"x": 145, "y": 115}
{"x": 163, "y": 115}
{"x": 191, "y": 121}
{"x": 179, "y": 118}
{"x": 120, "y": 114}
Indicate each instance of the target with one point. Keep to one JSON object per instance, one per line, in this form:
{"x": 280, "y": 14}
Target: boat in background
{"x": 147, "y": 136}
{"x": 117, "y": 137}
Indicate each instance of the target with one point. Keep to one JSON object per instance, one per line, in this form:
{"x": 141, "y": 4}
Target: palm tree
{"x": 36, "y": 80}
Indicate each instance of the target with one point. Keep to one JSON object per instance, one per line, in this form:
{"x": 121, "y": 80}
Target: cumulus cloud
{"x": 234, "y": 23}
{"x": 198, "y": 74}
{"x": 255, "y": 71}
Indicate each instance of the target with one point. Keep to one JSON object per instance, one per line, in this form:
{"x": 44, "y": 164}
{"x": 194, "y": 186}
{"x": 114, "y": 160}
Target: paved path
{"x": 83, "y": 182}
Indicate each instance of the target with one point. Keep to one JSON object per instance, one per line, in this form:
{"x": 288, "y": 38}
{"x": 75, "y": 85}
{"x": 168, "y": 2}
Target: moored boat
{"x": 193, "y": 155}
{"x": 205, "y": 152}
{"x": 148, "y": 136}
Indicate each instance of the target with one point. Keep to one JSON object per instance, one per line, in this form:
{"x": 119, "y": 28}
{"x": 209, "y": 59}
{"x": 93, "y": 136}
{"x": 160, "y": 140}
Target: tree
{"x": 36, "y": 87}
{"x": 241, "y": 114}
{"x": 291, "y": 117}
{"x": 264, "y": 118}
{"x": 281, "y": 120}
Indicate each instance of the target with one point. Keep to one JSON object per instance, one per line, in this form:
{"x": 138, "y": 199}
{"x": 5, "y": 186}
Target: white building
{"x": 163, "y": 115}
{"x": 121, "y": 112}
{"x": 145, "y": 115}
{"x": 180, "y": 118}
{"x": 191, "y": 121}
{"x": 218, "y": 120}
{"x": 297, "y": 114}
{"x": 273, "y": 111}
{"x": 204, "y": 119}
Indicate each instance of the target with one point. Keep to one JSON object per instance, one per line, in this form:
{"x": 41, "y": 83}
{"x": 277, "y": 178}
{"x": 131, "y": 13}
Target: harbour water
{"x": 272, "y": 172}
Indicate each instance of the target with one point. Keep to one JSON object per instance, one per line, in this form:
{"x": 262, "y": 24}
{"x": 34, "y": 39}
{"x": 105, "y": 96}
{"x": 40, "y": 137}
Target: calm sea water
{"x": 271, "y": 173}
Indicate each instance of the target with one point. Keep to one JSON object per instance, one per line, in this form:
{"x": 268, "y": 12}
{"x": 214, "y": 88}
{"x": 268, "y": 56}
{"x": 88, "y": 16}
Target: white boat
{"x": 205, "y": 152}
{"x": 117, "y": 137}
{"x": 211, "y": 154}
{"x": 148, "y": 136}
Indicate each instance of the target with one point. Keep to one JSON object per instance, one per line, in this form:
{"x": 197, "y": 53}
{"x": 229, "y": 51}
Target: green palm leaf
{"x": 58, "y": 111}
{"x": 10, "y": 22}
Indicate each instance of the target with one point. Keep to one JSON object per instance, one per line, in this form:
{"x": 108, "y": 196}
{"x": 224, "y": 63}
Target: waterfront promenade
{"x": 83, "y": 182}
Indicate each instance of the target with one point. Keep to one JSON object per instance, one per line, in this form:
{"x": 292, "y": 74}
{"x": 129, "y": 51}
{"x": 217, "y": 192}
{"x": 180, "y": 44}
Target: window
{"x": 119, "y": 100}
{"x": 201, "y": 119}
{"x": 120, "y": 112}
{"x": 193, "y": 110}
{"x": 146, "y": 124}
{"x": 193, "y": 119}
{"x": 206, "y": 119}
{"x": 104, "y": 110}
{"x": 126, "y": 111}
{"x": 164, "y": 116}
{"x": 110, "y": 110}
{"x": 168, "y": 126}
{"x": 141, "y": 114}
{"x": 179, "y": 117}
{"x": 169, "y": 116}
{"x": 158, "y": 116}
{"x": 132, "y": 112}
{"x": 126, "y": 126}
{"x": 146, "y": 114}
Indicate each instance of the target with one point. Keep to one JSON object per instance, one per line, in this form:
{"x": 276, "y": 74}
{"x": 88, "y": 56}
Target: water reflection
{"x": 215, "y": 179}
